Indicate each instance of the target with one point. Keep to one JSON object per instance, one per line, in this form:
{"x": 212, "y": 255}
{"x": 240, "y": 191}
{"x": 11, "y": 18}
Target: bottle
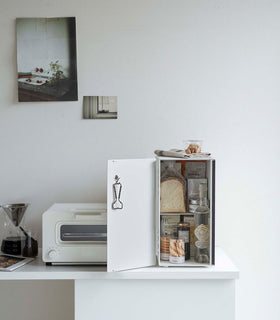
{"x": 164, "y": 239}
{"x": 183, "y": 231}
{"x": 190, "y": 219}
{"x": 202, "y": 230}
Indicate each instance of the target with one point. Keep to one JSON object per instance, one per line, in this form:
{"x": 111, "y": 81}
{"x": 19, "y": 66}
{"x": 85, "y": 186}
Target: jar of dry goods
{"x": 177, "y": 251}
{"x": 164, "y": 248}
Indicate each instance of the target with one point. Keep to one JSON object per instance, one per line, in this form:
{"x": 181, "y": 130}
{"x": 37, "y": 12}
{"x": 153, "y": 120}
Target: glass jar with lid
{"x": 177, "y": 251}
{"x": 193, "y": 205}
{"x": 168, "y": 231}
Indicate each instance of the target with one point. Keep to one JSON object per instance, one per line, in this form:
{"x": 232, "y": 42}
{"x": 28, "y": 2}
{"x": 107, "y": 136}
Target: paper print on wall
{"x": 100, "y": 107}
{"x": 46, "y": 59}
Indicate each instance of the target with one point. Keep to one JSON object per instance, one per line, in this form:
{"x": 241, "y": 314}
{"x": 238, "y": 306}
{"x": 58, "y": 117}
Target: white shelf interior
{"x": 191, "y": 262}
{"x": 188, "y": 263}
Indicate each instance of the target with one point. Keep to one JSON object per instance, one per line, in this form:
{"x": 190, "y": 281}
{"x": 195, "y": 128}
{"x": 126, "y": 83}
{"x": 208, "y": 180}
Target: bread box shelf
{"x": 188, "y": 169}
{"x": 176, "y": 213}
{"x": 188, "y": 263}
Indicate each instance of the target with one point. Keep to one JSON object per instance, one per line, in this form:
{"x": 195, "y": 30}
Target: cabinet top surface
{"x": 37, "y": 270}
{"x": 210, "y": 158}
{"x": 186, "y": 158}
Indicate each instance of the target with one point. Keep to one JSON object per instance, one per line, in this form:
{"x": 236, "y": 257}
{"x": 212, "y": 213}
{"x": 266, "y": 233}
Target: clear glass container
{"x": 177, "y": 251}
{"x": 193, "y": 146}
{"x": 12, "y": 238}
{"x": 193, "y": 205}
{"x": 16, "y": 239}
{"x": 168, "y": 230}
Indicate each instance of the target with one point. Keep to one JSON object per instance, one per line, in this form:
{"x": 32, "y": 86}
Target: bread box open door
{"x": 131, "y": 214}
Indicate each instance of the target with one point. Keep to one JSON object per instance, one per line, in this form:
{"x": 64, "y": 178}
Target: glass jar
{"x": 168, "y": 230}
{"x": 193, "y": 205}
{"x": 177, "y": 251}
{"x": 193, "y": 146}
{"x": 164, "y": 248}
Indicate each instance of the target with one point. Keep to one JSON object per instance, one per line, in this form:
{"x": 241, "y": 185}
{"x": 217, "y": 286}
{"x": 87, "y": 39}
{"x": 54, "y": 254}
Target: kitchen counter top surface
{"x": 37, "y": 270}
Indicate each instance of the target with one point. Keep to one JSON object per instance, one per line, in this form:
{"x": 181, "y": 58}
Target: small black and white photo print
{"x": 100, "y": 107}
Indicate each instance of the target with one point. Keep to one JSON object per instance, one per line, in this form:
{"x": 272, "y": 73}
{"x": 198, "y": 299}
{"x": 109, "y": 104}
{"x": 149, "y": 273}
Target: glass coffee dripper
{"x": 17, "y": 241}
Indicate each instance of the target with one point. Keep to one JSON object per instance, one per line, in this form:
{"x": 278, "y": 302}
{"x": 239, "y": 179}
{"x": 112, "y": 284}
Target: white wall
{"x": 181, "y": 69}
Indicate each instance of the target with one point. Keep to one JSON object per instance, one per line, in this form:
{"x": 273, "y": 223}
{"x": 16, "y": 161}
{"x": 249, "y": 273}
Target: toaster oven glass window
{"x": 97, "y": 233}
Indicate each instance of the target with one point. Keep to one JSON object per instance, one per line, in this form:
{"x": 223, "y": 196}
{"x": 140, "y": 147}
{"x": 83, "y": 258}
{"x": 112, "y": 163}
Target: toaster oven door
{"x": 82, "y": 233}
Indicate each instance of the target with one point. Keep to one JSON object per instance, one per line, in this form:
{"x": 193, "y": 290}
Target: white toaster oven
{"x": 75, "y": 233}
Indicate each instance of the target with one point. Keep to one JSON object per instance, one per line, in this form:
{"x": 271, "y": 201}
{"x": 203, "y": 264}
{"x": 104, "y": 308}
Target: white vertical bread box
{"x": 133, "y": 209}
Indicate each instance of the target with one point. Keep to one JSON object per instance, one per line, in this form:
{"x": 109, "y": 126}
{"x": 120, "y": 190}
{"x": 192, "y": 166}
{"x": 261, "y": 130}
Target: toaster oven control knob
{"x": 52, "y": 253}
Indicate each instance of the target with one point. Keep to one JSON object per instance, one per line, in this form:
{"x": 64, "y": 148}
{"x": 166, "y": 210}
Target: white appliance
{"x": 134, "y": 224}
{"x": 75, "y": 234}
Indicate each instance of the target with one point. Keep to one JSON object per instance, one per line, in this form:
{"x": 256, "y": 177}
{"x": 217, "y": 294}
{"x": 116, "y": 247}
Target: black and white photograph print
{"x": 46, "y": 59}
{"x": 100, "y": 107}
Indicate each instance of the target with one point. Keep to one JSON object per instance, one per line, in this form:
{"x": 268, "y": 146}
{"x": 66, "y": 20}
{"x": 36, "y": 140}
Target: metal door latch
{"x": 117, "y": 189}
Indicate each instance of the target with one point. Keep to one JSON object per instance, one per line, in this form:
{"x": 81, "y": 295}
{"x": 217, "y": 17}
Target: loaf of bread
{"x": 172, "y": 196}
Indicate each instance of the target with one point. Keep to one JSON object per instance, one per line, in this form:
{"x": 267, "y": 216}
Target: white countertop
{"x": 37, "y": 270}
